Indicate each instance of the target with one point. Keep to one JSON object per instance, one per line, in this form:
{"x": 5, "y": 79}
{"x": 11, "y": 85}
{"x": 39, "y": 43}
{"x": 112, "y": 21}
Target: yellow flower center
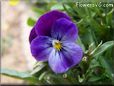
{"x": 57, "y": 45}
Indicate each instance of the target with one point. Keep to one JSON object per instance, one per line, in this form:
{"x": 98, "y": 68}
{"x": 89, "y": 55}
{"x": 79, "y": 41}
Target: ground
{"x": 14, "y": 37}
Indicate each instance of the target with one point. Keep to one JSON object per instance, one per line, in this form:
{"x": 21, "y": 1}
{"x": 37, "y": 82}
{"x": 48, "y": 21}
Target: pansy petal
{"x": 41, "y": 47}
{"x": 64, "y": 29}
{"x": 32, "y": 35}
{"x": 72, "y": 54}
{"x": 45, "y": 22}
{"x": 55, "y": 62}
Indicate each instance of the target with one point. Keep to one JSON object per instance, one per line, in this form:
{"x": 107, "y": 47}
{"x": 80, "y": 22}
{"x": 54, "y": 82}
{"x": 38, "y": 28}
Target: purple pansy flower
{"x": 53, "y": 39}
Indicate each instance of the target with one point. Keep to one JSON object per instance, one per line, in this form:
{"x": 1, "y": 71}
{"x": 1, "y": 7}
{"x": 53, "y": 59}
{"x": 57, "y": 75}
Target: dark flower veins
{"x": 57, "y": 45}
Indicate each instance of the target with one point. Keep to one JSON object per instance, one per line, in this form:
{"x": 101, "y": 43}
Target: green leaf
{"x": 80, "y": 43}
{"x": 37, "y": 67}
{"x": 94, "y": 78}
{"x": 57, "y": 7}
{"x": 109, "y": 17}
{"x": 103, "y": 48}
{"x": 42, "y": 75}
{"x": 93, "y": 51}
{"x": 20, "y": 75}
{"x": 37, "y": 10}
{"x": 31, "y": 22}
{"x": 94, "y": 63}
{"x": 105, "y": 64}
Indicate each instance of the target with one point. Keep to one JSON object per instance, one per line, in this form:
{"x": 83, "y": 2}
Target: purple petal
{"x": 32, "y": 35}
{"x": 64, "y": 29}
{"x": 41, "y": 47}
{"x": 45, "y": 22}
{"x": 55, "y": 62}
{"x": 71, "y": 55}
